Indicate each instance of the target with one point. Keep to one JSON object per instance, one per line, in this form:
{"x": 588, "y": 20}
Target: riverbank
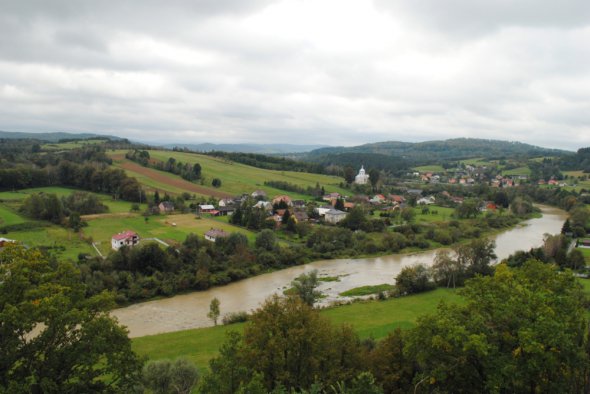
{"x": 188, "y": 311}
{"x": 370, "y": 319}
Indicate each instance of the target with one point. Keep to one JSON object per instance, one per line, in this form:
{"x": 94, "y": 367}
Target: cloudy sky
{"x": 336, "y": 72}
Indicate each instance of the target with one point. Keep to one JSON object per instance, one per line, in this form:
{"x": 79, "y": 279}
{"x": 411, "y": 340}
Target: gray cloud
{"x": 331, "y": 72}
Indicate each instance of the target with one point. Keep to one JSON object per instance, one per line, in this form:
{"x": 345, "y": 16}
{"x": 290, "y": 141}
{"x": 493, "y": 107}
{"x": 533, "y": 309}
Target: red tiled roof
{"x": 124, "y": 235}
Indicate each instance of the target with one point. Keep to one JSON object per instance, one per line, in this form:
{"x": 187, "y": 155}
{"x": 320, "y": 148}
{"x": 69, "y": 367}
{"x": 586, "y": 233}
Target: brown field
{"x": 174, "y": 182}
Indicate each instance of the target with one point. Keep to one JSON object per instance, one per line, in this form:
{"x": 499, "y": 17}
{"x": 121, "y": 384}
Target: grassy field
{"x": 586, "y": 253}
{"x": 517, "y": 171}
{"x": 169, "y": 228}
{"x": 8, "y": 216}
{"x": 436, "y": 214}
{"x": 62, "y": 242}
{"x": 574, "y": 178}
{"x": 432, "y": 168}
{"x": 370, "y": 319}
{"x": 238, "y": 178}
{"x": 70, "y": 145}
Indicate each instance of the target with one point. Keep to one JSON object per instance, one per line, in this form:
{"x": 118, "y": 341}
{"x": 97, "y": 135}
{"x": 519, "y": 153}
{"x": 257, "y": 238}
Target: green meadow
{"x": 431, "y": 168}
{"x": 371, "y": 319}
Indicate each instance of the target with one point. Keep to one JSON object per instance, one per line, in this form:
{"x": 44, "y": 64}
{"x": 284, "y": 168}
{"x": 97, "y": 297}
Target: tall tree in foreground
{"x": 53, "y": 338}
{"x": 521, "y": 331}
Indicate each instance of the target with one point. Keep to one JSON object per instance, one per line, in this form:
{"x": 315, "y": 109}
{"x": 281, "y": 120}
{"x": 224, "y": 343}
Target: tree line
{"x": 190, "y": 172}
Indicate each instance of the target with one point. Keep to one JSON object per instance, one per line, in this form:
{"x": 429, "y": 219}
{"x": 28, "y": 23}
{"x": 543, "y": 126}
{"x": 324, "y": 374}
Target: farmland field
{"x": 235, "y": 178}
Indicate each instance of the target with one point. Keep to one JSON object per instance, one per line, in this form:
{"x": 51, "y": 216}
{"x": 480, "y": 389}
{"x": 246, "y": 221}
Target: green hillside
{"x": 235, "y": 178}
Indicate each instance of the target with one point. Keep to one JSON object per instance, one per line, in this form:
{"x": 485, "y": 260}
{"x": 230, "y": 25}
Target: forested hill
{"x": 578, "y": 161}
{"x": 53, "y": 137}
{"x": 434, "y": 151}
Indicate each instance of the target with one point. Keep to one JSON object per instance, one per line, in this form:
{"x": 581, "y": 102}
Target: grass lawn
{"x": 517, "y": 171}
{"x": 56, "y": 238}
{"x": 586, "y": 253}
{"x": 367, "y": 290}
{"x": 162, "y": 227}
{"x": 238, "y": 178}
{"x": 9, "y": 216}
{"x": 432, "y": 168}
{"x": 436, "y": 214}
{"x": 369, "y": 318}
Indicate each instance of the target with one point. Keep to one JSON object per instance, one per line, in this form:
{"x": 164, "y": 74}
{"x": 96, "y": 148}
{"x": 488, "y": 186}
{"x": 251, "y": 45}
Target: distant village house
{"x": 214, "y": 234}
{"x": 126, "y": 238}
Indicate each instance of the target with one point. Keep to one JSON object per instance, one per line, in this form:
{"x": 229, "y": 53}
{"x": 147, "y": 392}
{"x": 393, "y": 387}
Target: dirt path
{"x": 162, "y": 178}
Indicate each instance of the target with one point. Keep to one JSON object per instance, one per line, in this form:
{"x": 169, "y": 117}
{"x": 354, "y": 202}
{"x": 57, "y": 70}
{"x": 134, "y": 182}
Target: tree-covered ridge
{"x": 434, "y": 151}
{"x": 578, "y": 161}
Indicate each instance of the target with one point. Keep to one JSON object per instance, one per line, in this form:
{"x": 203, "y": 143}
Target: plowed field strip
{"x": 174, "y": 182}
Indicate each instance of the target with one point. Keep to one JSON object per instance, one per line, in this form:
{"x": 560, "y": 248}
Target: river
{"x": 187, "y": 311}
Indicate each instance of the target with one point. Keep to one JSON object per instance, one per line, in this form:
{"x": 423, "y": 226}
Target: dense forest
{"x": 434, "y": 152}
{"x": 22, "y": 165}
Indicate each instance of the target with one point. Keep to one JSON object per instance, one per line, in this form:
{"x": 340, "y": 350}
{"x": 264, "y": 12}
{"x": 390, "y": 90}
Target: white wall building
{"x": 362, "y": 178}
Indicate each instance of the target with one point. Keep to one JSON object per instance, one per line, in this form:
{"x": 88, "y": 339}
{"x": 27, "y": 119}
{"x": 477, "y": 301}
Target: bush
{"x": 414, "y": 279}
{"x": 235, "y": 317}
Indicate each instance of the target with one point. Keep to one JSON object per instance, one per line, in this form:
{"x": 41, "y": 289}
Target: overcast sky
{"x": 336, "y": 72}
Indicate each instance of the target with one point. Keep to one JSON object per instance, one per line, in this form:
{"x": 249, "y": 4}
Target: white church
{"x": 361, "y": 178}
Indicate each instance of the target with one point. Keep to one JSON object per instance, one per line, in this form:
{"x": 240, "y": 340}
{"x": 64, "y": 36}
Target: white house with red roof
{"x": 126, "y": 238}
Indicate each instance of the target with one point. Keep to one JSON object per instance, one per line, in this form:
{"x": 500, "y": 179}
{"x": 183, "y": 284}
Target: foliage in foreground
{"x": 53, "y": 338}
{"x": 522, "y": 330}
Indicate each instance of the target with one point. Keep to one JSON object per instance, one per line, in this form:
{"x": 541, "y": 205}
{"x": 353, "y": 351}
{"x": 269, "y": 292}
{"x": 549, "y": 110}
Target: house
{"x": 415, "y": 192}
{"x": 4, "y": 241}
{"x": 226, "y": 211}
{"x": 323, "y": 210}
{"x": 298, "y": 204}
{"x": 300, "y": 216}
{"x": 214, "y": 234}
{"x": 553, "y": 182}
{"x": 206, "y": 208}
{"x": 584, "y": 243}
{"x": 397, "y": 198}
{"x": 166, "y": 206}
{"x": 490, "y": 206}
{"x": 331, "y": 196}
{"x": 426, "y": 200}
{"x": 362, "y": 178}
{"x": 334, "y": 216}
{"x": 263, "y": 205}
{"x": 259, "y": 194}
{"x": 348, "y": 206}
{"x": 226, "y": 202}
{"x": 126, "y": 238}
{"x": 286, "y": 199}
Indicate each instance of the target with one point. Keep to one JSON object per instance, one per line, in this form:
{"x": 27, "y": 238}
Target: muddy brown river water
{"x": 190, "y": 310}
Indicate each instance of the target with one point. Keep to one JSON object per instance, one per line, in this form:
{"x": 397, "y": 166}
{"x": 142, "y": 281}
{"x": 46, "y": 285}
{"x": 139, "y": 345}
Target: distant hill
{"x": 52, "y": 137}
{"x": 264, "y": 149}
{"x": 431, "y": 152}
